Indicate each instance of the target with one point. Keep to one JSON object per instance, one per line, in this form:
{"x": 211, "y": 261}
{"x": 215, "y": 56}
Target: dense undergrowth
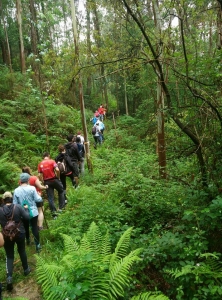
{"x": 175, "y": 222}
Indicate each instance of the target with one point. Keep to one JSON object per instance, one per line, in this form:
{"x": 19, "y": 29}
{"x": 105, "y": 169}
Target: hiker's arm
{"x": 37, "y": 197}
{"x": 40, "y": 186}
{"x": 57, "y": 172}
{"x": 40, "y": 176}
{"x": 24, "y": 212}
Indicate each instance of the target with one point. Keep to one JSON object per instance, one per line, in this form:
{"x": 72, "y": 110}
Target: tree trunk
{"x": 98, "y": 39}
{"x": 125, "y": 94}
{"x": 34, "y": 37}
{"x": 88, "y": 34}
{"x": 6, "y": 53}
{"x": 82, "y": 107}
{"x": 22, "y": 52}
{"x": 160, "y": 100}
{"x": 219, "y": 24}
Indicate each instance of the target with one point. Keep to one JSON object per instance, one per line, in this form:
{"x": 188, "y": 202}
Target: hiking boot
{"x": 27, "y": 271}
{"x": 9, "y": 285}
{"x": 54, "y": 215}
{"x": 38, "y": 248}
{"x": 40, "y": 228}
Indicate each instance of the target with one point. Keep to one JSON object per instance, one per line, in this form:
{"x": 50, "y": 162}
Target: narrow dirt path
{"x": 26, "y": 288}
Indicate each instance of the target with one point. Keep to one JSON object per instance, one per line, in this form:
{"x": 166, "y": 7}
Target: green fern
{"x": 211, "y": 267}
{"x": 88, "y": 270}
{"x": 150, "y": 296}
{"x": 122, "y": 246}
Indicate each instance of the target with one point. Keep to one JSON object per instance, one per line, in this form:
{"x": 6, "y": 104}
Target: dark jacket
{"x": 81, "y": 149}
{"x": 20, "y": 214}
{"x": 72, "y": 151}
{"x": 69, "y": 163}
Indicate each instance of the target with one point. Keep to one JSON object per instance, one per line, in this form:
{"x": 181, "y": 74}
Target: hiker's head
{"x": 79, "y": 133}
{"x": 26, "y": 169}
{"x": 61, "y": 148}
{"x": 78, "y": 140}
{"x": 7, "y": 197}
{"x": 24, "y": 177}
{"x": 45, "y": 154}
{"x": 70, "y": 137}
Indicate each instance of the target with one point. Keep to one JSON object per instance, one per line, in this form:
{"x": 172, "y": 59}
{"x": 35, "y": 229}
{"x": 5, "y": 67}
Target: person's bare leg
{"x": 76, "y": 180}
{"x": 40, "y": 217}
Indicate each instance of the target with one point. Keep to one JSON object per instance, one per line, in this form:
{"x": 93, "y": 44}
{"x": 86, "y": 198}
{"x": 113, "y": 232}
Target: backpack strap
{"x": 9, "y": 218}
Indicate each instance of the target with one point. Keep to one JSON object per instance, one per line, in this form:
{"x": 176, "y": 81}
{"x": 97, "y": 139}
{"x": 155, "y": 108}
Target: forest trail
{"x": 27, "y": 288}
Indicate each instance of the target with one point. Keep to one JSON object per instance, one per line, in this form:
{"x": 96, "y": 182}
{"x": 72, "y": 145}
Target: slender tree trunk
{"x": 160, "y": 101}
{"x": 88, "y": 34}
{"x": 219, "y": 24}
{"x": 34, "y": 37}
{"x": 88, "y": 158}
{"x": 125, "y": 93}
{"x": 22, "y": 51}
{"x": 98, "y": 39}
{"x": 6, "y": 53}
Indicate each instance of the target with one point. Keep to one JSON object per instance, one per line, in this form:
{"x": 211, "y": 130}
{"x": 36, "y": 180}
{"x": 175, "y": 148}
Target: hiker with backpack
{"x": 16, "y": 213}
{"x": 101, "y": 128}
{"x": 65, "y": 167}
{"x": 101, "y": 113}
{"x": 82, "y": 155}
{"x": 96, "y": 135}
{"x": 49, "y": 174}
{"x": 26, "y": 194}
{"x": 34, "y": 181}
{"x": 73, "y": 152}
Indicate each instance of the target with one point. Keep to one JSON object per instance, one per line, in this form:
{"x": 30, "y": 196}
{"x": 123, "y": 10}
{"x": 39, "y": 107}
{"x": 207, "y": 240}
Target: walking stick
{"x": 46, "y": 223}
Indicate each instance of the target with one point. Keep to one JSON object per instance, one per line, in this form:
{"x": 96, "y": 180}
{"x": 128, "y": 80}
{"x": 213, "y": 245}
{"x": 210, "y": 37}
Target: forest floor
{"x": 27, "y": 289}
{"x": 23, "y": 287}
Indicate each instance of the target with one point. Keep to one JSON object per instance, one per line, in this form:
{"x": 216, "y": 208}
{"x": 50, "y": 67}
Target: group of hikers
{"x": 24, "y": 208}
{"x": 98, "y": 125}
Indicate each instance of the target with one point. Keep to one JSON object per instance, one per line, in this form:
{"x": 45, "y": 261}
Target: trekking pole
{"x": 46, "y": 223}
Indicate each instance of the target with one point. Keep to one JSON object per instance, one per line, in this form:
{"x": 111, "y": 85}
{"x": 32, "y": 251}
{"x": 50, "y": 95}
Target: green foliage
{"x": 8, "y": 181}
{"x": 150, "y": 296}
{"x": 88, "y": 270}
{"x": 202, "y": 280}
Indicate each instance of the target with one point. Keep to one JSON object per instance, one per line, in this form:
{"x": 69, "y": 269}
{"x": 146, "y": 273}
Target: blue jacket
{"x": 27, "y": 195}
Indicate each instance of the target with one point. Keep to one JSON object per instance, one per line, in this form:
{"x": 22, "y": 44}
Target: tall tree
{"x": 81, "y": 98}
{"x": 21, "y": 43}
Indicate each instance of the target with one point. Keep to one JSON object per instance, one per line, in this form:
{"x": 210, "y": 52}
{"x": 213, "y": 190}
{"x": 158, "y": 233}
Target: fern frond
{"x": 85, "y": 244}
{"x": 69, "y": 244}
{"x": 122, "y": 246}
{"x": 94, "y": 237}
{"x": 150, "y": 296}
{"x": 47, "y": 275}
{"x": 106, "y": 247}
{"x": 119, "y": 273}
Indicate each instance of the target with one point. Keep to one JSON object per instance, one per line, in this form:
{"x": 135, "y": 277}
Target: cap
{"x": 7, "y": 195}
{"x": 24, "y": 177}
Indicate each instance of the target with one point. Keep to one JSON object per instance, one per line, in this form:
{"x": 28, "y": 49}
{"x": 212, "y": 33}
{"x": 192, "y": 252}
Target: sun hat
{"x": 7, "y": 195}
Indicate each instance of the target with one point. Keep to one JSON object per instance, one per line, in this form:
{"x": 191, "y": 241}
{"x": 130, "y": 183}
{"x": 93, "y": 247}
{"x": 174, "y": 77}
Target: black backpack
{"x": 11, "y": 230}
{"x": 63, "y": 169}
{"x": 94, "y": 130}
{"x": 65, "y": 165}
